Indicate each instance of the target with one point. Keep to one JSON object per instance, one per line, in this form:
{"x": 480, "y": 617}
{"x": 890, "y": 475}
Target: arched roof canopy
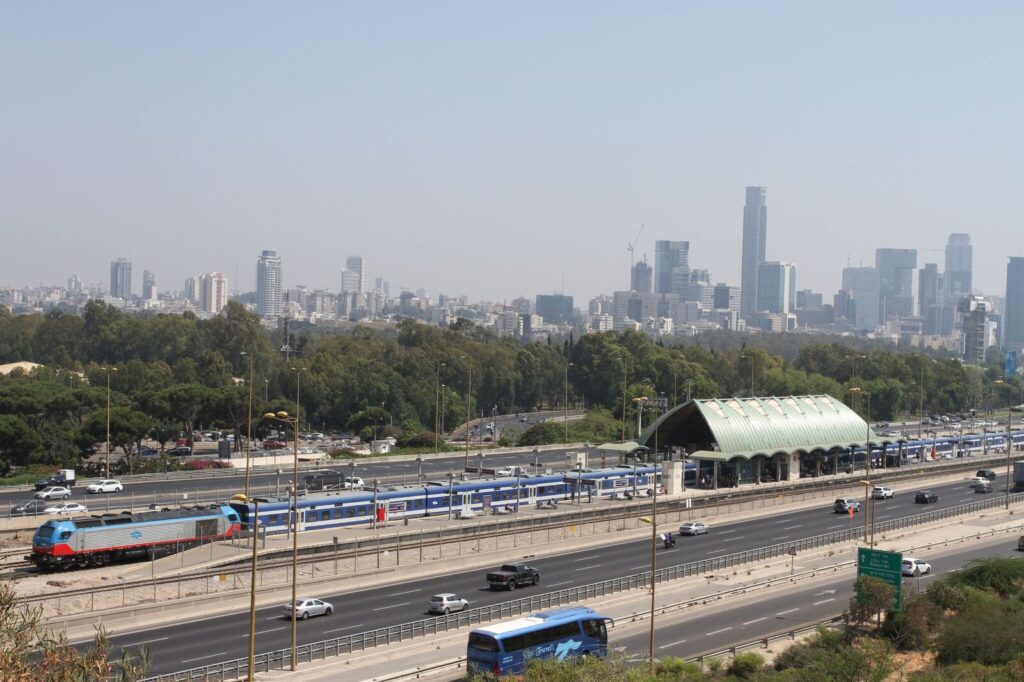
{"x": 745, "y": 427}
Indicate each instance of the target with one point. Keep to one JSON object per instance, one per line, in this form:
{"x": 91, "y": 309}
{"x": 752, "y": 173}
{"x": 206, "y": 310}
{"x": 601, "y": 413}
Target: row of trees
{"x": 171, "y": 373}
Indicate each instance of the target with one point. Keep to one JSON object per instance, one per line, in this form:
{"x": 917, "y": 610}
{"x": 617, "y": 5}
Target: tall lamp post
{"x": 107, "y": 467}
{"x": 654, "y": 537}
{"x": 255, "y": 535}
{"x": 750, "y": 358}
{"x": 565, "y": 401}
{"x": 869, "y": 514}
{"x": 867, "y": 430}
{"x": 248, "y": 433}
{"x": 622, "y": 438}
{"x": 469, "y": 402}
{"x": 1009, "y": 442}
{"x": 437, "y": 403}
{"x": 285, "y": 418}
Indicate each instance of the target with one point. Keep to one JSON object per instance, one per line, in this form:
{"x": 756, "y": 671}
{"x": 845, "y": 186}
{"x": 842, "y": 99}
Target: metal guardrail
{"x": 762, "y": 643}
{"x": 399, "y": 633}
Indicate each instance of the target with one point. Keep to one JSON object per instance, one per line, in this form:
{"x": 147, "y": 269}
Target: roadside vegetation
{"x": 966, "y": 627}
{"x": 174, "y": 374}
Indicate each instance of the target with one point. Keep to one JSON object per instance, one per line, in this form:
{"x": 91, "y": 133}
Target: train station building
{"x": 755, "y": 440}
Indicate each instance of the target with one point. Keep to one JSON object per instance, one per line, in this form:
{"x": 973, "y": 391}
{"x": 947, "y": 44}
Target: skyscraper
{"x": 895, "y": 282}
{"x": 1013, "y": 316}
{"x": 349, "y": 282}
{"x": 191, "y": 290}
{"x": 671, "y": 266}
{"x": 640, "y": 277}
{"x": 755, "y": 234}
{"x": 213, "y": 292}
{"x": 862, "y": 283}
{"x": 269, "y": 285}
{"x": 776, "y": 287}
{"x": 973, "y": 311}
{"x": 959, "y": 256}
{"x": 929, "y": 295}
{"x": 148, "y": 286}
{"x": 357, "y": 265}
{"x": 121, "y": 278}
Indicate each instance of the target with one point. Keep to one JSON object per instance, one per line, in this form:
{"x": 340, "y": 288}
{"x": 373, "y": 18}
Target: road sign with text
{"x": 886, "y": 566}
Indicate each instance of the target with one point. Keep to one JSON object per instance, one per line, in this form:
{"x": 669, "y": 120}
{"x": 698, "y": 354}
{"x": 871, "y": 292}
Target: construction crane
{"x": 632, "y": 245}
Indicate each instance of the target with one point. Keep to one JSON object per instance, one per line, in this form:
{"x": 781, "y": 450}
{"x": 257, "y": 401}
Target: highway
{"x": 208, "y": 641}
{"x": 744, "y": 620}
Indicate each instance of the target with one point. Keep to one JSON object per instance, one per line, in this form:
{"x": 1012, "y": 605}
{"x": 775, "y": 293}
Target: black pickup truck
{"x": 511, "y": 576}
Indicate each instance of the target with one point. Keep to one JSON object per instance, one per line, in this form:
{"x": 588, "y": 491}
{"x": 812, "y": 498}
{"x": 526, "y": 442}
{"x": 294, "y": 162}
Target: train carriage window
{"x": 272, "y": 519}
{"x": 65, "y": 535}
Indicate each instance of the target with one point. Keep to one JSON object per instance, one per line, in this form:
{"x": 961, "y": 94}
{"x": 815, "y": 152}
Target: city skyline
{"x": 515, "y": 159}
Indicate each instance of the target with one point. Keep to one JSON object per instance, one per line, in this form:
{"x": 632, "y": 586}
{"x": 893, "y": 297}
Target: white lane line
{"x": 146, "y": 641}
{"x": 392, "y": 606}
{"x": 784, "y": 521}
{"x": 823, "y": 601}
{"x": 799, "y": 525}
{"x": 716, "y": 632}
{"x": 587, "y": 558}
{"x": 350, "y": 627}
{"x": 841, "y": 525}
{"x": 396, "y": 594}
{"x": 756, "y": 620}
{"x": 665, "y": 646}
{"x": 263, "y": 632}
{"x": 189, "y": 660}
{"x": 783, "y": 613}
{"x": 638, "y": 568}
{"x": 717, "y": 551}
{"x": 883, "y": 517}
{"x": 723, "y": 532}
{"x": 564, "y": 582}
{"x": 738, "y": 537}
{"x": 587, "y": 568}
{"x": 781, "y": 537}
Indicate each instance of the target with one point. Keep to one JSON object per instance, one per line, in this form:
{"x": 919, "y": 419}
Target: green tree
{"x": 18, "y": 442}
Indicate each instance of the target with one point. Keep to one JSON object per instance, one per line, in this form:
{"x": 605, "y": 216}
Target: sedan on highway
{"x": 29, "y": 508}
{"x": 54, "y": 492}
{"x": 693, "y": 528}
{"x": 914, "y": 567}
{"x": 925, "y": 497}
{"x": 67, "y": 508}
{"x": 110, "y": 485}
{"x": 304, "y": 608}
{"x": 446, "y": 602}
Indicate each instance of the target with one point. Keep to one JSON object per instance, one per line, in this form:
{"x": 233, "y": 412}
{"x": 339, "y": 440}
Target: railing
{"x": 762, "y": 643}
{"x": 399, "y": 633}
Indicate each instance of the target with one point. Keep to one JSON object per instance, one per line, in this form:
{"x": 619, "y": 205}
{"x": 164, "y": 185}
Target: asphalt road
{"x": 207, "y": 641}
{"x": 737, "y": 622}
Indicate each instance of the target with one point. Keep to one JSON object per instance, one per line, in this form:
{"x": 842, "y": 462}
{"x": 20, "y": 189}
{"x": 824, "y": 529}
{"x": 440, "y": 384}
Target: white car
{"x": 693, "y": 528}
{"x": 66, "y": 508}
{"x": 110, "y": 485}
{"x": 304, "y": 608}
{"x": 914, "y": 567}
{"x": 54, "y": 492}
{"x": 882, "y": 492}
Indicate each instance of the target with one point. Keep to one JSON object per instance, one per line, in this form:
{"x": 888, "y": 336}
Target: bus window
{"x": 481, "y": 642}
{"x": 595, "y": 629}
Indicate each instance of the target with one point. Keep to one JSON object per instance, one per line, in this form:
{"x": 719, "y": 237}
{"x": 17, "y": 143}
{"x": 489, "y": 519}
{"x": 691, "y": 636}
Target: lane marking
{"x": 587, "y": 568}
{"x": 723, "y": 532}
{"x": 738, "y": 537}
{"x": 823, "y": 601}
{"x": 189, "y": 660}
{"x": 783, "y": 613}
{"x": 392, "y": 606}
{"x": 799, "y": 525}
{"x": 396, "y": 594}
{"x": 717, "y": 551}
{"x": 587, "y": 558}
{"x": 263, "y": 632}
{"x": 147, "y": 641}
{"x": 637, "y": 568}
{"x": 665, "y": 646}
{"x": 350, "y": 627}
{"x": 781, "y": 537}
{"x": 882, "y": 517}
{"x": 716, "y": 632}
{"x": 756, "y": 620}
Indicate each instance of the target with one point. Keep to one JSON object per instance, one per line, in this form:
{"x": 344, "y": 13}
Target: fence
{"x": 434, "y": 626}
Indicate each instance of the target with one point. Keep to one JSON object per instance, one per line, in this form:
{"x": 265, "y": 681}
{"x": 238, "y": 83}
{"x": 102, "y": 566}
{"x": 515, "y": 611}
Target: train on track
{"x": 91, "y": 541}
{"x": 436, "y": 498}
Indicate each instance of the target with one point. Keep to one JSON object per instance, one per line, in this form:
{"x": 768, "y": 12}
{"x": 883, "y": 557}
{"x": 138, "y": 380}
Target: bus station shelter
{"x": 755, "y": 440}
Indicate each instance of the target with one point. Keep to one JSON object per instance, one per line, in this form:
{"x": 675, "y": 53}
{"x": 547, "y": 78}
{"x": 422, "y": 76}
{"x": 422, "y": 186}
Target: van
{"x": 987, "y": 474}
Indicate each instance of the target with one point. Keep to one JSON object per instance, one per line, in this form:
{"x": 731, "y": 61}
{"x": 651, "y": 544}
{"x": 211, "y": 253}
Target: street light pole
{"x": 654, "y": 539}
{"x": 469, "y": 403}
{"x": 107, "y": 468}
{"x": 248, "y": 433}
{"x": 254, "y": 535}
{"x": 437, "y": 402}
{"x": 565, "y": 402}
{"x": 622, "y": 439}
{"x": 295, "y": 511}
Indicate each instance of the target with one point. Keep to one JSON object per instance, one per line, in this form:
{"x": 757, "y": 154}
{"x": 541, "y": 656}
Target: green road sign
{"x": 886, "y": 566}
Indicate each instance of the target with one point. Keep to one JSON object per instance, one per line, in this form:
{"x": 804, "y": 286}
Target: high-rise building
{"x": 74, "y": 285}
{"x": 350, "y": 281}
{"x": 383, "y": 287}
{"x": 895, "y": 282}
{"x": 973, "y": 311}
{"x": 755, "y": 234}
{"x": 269, "y": 285}
{"x": 121, "y": 278}
{"x": 726, "y": 297}
{"x": 776, "y": 287}
{"x": 357, "y": 265}
{"x": 554, "y": 308}
{"x": 929, "y": 296}
{"x": 805, "y": 298}
{"x": 862, "y": 283}
{"x": 1013, "y": 308}
{"x": 959, "y": 257}
{"x": 640, "y": 277}
{"x": 148, "y": 286}
{"x": 671, "y": 266}
{"x": 191, "y": 290}
{"x": 212, "y": 295}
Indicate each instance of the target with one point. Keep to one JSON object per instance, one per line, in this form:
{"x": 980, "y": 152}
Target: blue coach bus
{"x": 505, "y": 648}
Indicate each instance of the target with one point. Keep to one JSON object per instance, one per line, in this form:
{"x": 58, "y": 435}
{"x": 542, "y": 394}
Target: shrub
{"x": 746, "y": 665}
{"x": 913, "y": 626}
{"x": 999, "y": 575}
{"x": 990, "y": 633}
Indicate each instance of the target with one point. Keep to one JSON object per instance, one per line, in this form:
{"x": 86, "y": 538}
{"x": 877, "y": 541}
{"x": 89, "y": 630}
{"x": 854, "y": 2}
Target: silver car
{"x": 693, "y": 528}
{"x": 446, "y": 603}
{"x": 304, "y": 608}
{"x": 54, "y": 492}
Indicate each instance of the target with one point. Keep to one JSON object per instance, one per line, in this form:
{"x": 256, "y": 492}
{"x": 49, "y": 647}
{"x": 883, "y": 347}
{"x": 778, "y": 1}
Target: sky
{"x": 500, "y": 150}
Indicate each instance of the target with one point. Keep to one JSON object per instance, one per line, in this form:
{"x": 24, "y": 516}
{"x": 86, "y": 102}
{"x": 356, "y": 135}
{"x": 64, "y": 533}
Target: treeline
{"x": 174, "y": 373}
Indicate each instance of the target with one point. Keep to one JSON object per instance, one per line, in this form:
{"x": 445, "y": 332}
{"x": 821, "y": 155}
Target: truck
{"x": 63, "y": 477}
{"x": 511, "y": 576}
{"x": 1018, "y": 476}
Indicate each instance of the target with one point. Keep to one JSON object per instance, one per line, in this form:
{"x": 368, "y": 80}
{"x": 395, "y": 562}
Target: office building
{"x": 929, "y": 296}
{"x": 357, "y": 265}
{"x": 74, "y": 286}
{"x": 554, "y": 308}
{"x": 776, "y": 287}
{"x": 807, "y": 299}
{"x": 121, "y": 278}
{"x": 671, "y": 266}
{"x": 640, "y": 277}
{"x": 862, "y": 283}
{"x": 895, "y": 282}
{"x": 191, "y": 290}
{"x": 1013, "y": 307}
{"x": 726, "y": 297}
{"x": 212, "y": 292}
{"x": 269, "y": 285}
{"x": 958, "y": 274}
{"x": 973, "y": 311}
{"x": 755, "y": 233}
{"x": 148, "y": 286}
{"x": 349, "y": 281}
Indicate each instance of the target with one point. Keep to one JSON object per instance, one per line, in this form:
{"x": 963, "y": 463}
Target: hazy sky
{"x": 494, "y": 148}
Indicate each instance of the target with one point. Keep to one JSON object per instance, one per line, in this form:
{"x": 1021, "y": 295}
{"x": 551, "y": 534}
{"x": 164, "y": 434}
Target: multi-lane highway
{"x": 203, "y": 642}
{"x": 749, "y": 619}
